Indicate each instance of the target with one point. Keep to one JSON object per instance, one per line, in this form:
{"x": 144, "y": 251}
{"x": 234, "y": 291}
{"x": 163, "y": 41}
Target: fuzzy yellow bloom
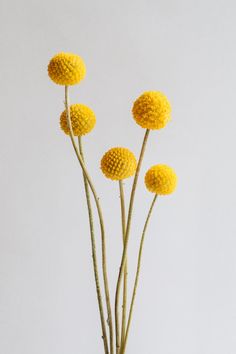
{"x": 82, "y": 118}
{"x": 161, "y": 179}
{"x": 152, "y": 110}
{"x": 118, "y": 163}
{"x": 66, "y": 69}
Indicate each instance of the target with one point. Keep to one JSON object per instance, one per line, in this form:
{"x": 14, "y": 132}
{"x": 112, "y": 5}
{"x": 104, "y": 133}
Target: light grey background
{"x": 187, "y": 300}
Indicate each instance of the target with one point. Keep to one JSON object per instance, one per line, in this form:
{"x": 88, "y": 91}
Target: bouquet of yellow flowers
{"x": 152, "y": 111}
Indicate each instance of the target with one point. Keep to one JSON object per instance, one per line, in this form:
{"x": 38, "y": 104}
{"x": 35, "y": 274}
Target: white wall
{"x": 186, "y": 303}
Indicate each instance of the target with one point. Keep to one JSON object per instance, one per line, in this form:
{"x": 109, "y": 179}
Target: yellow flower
{"x": 152, "y": 110}
{"x": 161, "y": 179}
{"x": 118, "y": 163}
{"x": 66, "y": 69}
{"x": 82, "y": 118}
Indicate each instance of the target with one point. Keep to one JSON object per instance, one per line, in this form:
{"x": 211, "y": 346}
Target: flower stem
{"x": 94, "y": 254}
{"x": 127, "y": 232}
{"x": 96, "y": 199}
{"x": 123, "y": 221}
{"x": 123, "y": 346}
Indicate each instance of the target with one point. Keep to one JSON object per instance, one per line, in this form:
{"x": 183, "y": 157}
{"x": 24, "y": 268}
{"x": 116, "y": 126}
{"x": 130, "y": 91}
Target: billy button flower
{"x": 161, "y": 180}
{"x": 82, "y": 118}
{"x": 66, "y": 69}
{"x": 152, "y": 110}
{"x": 118, "y": 163}
{"x": 69, "y": 69}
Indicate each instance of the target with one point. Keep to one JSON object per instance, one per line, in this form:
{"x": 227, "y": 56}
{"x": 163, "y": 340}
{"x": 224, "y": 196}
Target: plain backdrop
{"x": 186, "y": 302}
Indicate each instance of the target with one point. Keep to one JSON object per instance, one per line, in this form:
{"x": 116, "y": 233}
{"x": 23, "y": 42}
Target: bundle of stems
{"x": 152, "y": 112}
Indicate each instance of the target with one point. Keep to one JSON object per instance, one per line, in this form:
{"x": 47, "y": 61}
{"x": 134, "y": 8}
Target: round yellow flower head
{"x": 161, "y": 179}
{"x": 152, "y": 110}
{"x": 66, "y": 69}
{"x": 82, "y": 118}
{"x": 118, "y": 163}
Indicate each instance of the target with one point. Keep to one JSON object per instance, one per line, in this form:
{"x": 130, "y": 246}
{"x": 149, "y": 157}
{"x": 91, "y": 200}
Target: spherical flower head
{"x": 82, "y": 118}
{"x": 66, "y": 69}
{"x": 152, "y": 110}
{"x": 161, "y": 179}
{"x": 118, "y": 163}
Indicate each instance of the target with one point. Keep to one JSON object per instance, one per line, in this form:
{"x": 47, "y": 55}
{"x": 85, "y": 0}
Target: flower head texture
{"x": 66, "y": 69}
{"x": 161, "y": 179}
{"x": 82, "y": 118}
{"x": 118, "y": 163}
{"x": 152, "y": 110}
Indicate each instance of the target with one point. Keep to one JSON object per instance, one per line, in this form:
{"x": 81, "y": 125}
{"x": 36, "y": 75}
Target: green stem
{"x": 123, "y": 221}
{"x": 123, "y": 347}
{"x": 96, "y": 199}
{"x": 123, "y": 260}
{"x": 94, "y": 254}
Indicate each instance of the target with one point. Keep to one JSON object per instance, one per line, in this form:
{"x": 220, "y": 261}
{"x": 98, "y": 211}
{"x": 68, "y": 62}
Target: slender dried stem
{"x": 96, "y": 199}
{"x": 123, "y": 221}
{"x": 123, "y": 260}
{"x": 123, "y": 346}
{"x": 94, "y": 254}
